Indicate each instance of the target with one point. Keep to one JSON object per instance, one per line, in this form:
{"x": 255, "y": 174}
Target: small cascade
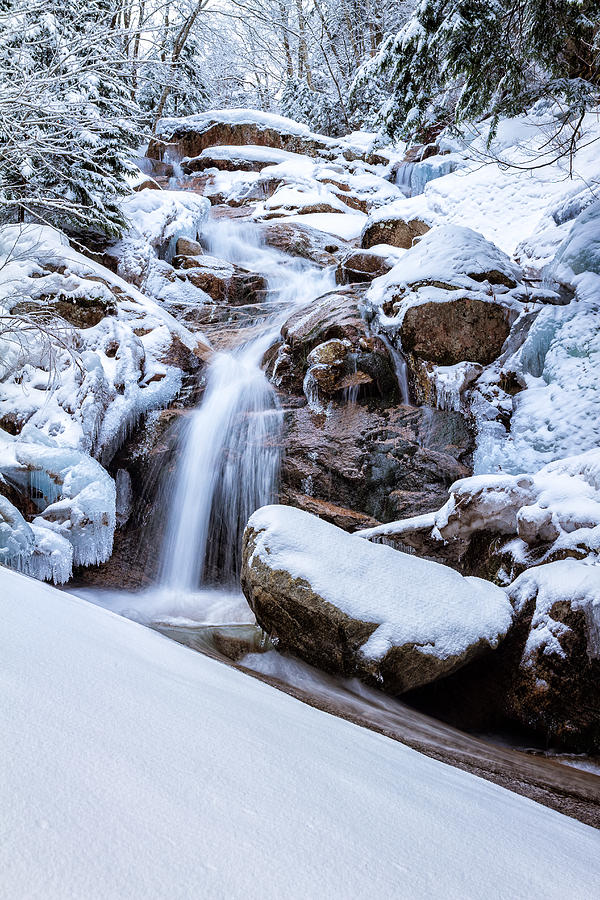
{"x": 404, "y": 178}
{"x": 229, "y": 467}
{"x": 172, "y": 159}
{"x": 400, "y": 368}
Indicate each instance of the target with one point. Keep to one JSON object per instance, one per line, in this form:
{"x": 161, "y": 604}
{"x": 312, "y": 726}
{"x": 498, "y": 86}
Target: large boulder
{"x": 395, "y": 230}
{"x": 451, "y": 331}
{"x": 190, "y": 135}
{"x": 556, "y": 686}
{"x": 364, "y": 610}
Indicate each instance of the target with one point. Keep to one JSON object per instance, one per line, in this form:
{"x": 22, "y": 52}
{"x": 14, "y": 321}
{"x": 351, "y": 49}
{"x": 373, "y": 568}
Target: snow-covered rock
{"x": 398, "y": 229}
{"x": 157, "y": 220}
{"x": 190, "y": 135}
{"x": 556, "y": 688}
{"x": 362, "y": 609}
{"x": 452, "y": 257}
{"x": 362, "y": 265}
{"x": 248, "y": 158}
{"x": 549, "y": 515}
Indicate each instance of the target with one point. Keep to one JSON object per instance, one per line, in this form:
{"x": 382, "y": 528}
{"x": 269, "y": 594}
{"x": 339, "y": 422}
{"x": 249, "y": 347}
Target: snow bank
{"x": 523, "y": 209}
{"x": 415, "y": 601}
{"x": 133, "y": 766}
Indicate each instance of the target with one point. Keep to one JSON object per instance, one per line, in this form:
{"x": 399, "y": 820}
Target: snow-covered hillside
{"x": 135, "y": 767}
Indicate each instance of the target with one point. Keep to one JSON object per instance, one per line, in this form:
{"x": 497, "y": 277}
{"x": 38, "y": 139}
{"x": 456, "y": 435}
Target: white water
{"x": 400, "y": 368}
{"x": 228, "y": 460}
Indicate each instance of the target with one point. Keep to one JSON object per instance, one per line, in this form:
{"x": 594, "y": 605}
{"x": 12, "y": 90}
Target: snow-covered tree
{"x": 460, "y": 60}
{"x": 67, "y": 120}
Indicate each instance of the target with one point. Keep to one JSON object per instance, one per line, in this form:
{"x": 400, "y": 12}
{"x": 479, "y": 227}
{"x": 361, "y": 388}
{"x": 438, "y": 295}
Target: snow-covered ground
{"x": 133, "y": 767}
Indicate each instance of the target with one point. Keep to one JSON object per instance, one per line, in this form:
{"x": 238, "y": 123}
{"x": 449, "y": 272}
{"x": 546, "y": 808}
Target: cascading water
{"x": 229, "y": 466}
{"x": 400, "y": 368}
{"x": 229, "y": 456}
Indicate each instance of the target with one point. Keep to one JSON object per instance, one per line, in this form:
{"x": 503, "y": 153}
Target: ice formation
{"x": 74, "y": 392}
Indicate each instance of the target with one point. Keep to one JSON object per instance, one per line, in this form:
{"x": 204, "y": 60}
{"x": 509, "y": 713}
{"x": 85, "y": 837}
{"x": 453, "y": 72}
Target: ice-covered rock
{"x": 580, "y": 251}
{"x": 550, "y": 515}
{"x": 558, "y": 413}
{"x": 556, "y": 688}
{"x": 363, "y": 609}
{"x": 72, "y": 392}
{"x": 74, "y": 493}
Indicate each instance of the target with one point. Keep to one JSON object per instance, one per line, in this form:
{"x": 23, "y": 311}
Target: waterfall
{"x": 228, "y": 462}
{"x": 404, "y": 178}
{"x": 228, "y": 468}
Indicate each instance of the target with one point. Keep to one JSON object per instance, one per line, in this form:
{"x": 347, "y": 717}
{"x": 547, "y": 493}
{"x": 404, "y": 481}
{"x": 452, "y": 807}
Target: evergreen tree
{"x": 66, "y": 115}
{"x": 316, "y": 108}
{"x": 461, "y": 60}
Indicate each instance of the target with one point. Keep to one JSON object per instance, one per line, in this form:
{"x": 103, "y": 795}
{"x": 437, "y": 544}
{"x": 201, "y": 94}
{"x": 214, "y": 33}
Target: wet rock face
{"x": 455, "y": 330}
{"x": 368, "y": 462}
{"x": 347, "y": 442}
{"x": 395, "y": 231}
{"x": 328, "y": 349}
